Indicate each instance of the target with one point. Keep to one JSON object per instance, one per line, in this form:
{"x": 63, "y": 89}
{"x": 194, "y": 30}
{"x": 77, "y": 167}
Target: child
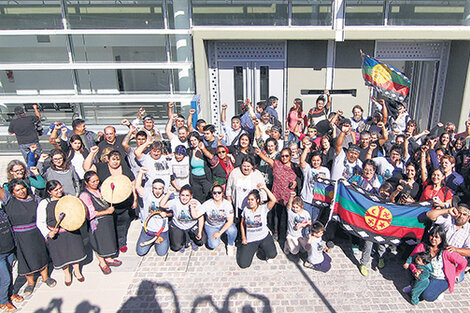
{"x": 317, "y": 258}
{"x": 420, "y": 266}
{"x": 297, "y": 219}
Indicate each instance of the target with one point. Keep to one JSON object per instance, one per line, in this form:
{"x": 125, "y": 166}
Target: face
{"x": 316, "y": 162}
{"x": 285, "y": 157}
{"x": 318, "y": 234}
{"x": 80, "y": 129}
{"x": 179, "y": 157}
{"x": 320, "y": 104}
{"x": 368, "y": 172}
{"x": 182, "y": 134}
{"x": 419, "y": 261}
{"x": 437, "y": 177}
{"x": 17, "y": 171}
{"x": 57, "y": 192}
{"x": 271, "y": 147}
{"x": 156, "y": 153}
{"x": 259, "y": 109}
{"x": 439, "y": 154}
{"x": 275, "y": 103}
{"x": 411, "y": 171}
{"x": 296, "y": 208}
{"x": 352, "y": 156}
{"x": 148, "y": 124}
{"x": 373, "y": 137}
{"x": 265, "y": 118}
{"x": 244, "y": 141}
{"x": 275, "y": 134}
{"x": 365, "y": 140}
{"x": 246, "y": 168}
{"x": 446, "y": 165}
{"x": 193, "y": 141}
{"x": 20, "y": 192}
{"x": 450, "y": 128}
{"x": 221, "y": 153}
{"x": 400, "y": 140}
{"x": 140, "y": 140}
{"x": 76, "y": 145}
{"x": 114, "y": 161}
{"x": 252, "y": 201}
{"x": 217, "y": 193}
{"x": 357, "y": 114}
{"x": 312, "y": 133}
{"x": 236, "y": 124}
{"x": 200, "y": 128}
{"x": 208, "y": 135}
{"x": 463, "y": 216}
{"x": 435, "y": 240}
{"x": 325, "y": 143}
{"x": 109, "y": 134}
{"x": 57, "y": 160}
{"x": 158, "y": 189}
{"x": 179, "y": 122}
{"x": 445, "y": 138}
{"x": 93, "y": 182}
{"x": 458, "y": 144}
{"x": 185, "y": 197}
{"x": 395, "y": 156}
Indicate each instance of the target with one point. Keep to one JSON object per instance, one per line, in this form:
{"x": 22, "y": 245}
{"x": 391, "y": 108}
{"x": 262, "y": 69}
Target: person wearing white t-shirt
{"x": 345, "y": 165}
{"x": 154, "y": 161}
{"x": 389, "y": 166}
{"x": 182, "y": 134}
{"x": 318, "y": 258}
{"x": 219, "y": 220}
{"x": 254, "y": 228}
{"x": 179, "y": 168}
{"x": 297, "y": 220}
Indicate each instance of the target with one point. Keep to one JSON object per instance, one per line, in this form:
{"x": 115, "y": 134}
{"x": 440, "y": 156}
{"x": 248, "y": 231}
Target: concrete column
{"x": 466, "y": 14}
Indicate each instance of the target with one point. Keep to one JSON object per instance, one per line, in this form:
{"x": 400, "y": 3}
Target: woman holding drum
{"x": 65, "y": 247}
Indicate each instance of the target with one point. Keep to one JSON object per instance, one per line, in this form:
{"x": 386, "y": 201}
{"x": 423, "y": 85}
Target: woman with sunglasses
{"x": 61, "y": 170}
{"x": 221, "y": 163}
{"x": 65, "y": 247}
{"x": 16, "y": 169}
{"x": 218, "y": 221}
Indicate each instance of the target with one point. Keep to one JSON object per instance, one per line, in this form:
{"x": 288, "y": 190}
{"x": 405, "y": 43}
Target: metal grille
{"x": 230, "y": 50}
{"x": 213, "y": 83}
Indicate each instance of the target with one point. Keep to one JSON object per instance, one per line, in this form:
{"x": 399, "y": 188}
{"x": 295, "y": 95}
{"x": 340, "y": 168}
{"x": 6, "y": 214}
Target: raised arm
{"x": 328, "y": 103}
{"x": 36, "y": 111}
{"x": 190, "y": 120}
{"x": 384, "y": 139}
{"x": 168, "y": 125}
{"x": 139, "y": 151}
{"x": 53, "y": 138}
{"x": 164, "y": 202}
{"x": 271, "y": 197}
{"x": 303, "y": 156}
{"x": 128, "y": 138}
{"x": 340, "y": 139}
{"x": 424, "y": 171}
{"x": 170, "y": 109}
{"x": 223, "y": 115}
{"x": 88, "y": 162}
{"x": 138, "y": 181}
{"x": 264, "y": 157}
{"x": 204, "y": 150}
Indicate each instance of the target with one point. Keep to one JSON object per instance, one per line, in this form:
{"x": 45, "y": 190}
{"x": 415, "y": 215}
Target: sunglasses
{"x": 216, "y": 192}
{"x": 285, "y": 156}
{"x": 221, "y": 152}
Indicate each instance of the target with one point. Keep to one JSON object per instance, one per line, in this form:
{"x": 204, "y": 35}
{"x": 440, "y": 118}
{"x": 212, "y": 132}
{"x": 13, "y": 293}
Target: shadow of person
{"x": 86, "y": 307}
{"x": 53, "y": 307}
{"x": 266, "y": 308}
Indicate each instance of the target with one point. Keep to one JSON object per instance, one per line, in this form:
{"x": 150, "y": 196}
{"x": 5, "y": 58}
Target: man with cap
{"x": 25, "y": 127}
{"x": 345, "y": 164}
{"x": 181, "y": 137}
{"x": 233, "y": 134}
{"x": 179, "y": 167}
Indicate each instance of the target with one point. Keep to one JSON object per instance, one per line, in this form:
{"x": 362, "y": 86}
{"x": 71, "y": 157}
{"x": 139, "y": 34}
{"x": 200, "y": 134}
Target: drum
{"x": 72, "y": 212}
{"x": 116, "y": 188}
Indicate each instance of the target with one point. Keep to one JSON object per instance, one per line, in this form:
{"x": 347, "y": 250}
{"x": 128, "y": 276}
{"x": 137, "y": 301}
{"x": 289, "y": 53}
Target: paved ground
{"x": 210, "y": 281}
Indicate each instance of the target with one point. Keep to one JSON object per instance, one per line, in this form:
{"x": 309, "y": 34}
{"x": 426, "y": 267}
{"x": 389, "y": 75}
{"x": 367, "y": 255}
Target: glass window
{"x": 181, "y": 48}
{"x": 115, "y": 14}
{"x": 120, "y": 48}
{"x": 311, "y": 12}
{"x": 365, "y": 12}
{"x": 183, "y": 81}
{"x": 240, "y": 12}
{"x": 419, "y": 12}
{"x": 33, "y": 49}
{"x": 30, "y": 14}
{"x": 36, "y": 82}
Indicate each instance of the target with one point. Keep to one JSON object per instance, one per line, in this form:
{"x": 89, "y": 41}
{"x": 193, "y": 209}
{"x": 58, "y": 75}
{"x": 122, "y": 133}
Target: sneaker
{"x": 441, "y": 297}
{"x": 307, "y": 264}
{"x": 355, "y": 249}
{"x": 230, "y": 250}
{"x": 407, "y": 289}
{"x": 269, "y": 261}
{"x": 194, "y": 246}
{"x": 182, "y": 250}
{"x": 364, "y": 270}
{"x": 286, "y": 249}
{"x": 330, "y": 244}
{"x": 381, "y": 263}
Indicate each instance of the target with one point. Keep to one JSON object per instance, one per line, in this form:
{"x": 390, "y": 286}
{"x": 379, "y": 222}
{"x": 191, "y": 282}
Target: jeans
{"x": 368, "y": 250}
{"x": 231, "y": 233}
{"x": 312, "y": 210}
{"x": 434, "y": 289}
{"x": 24, "y": 148}
{"x": 161, "y": 248}
{"x": 6, "y": 261}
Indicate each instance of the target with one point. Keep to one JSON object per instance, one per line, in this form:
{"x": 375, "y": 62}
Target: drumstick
{"x": 59, "y": 220}
{"x": 146, "y": 243}
{"x": 112, "y": 193}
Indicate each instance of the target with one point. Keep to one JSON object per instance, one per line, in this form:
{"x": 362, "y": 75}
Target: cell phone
{"x": 435, "y": 199}
{"x": 290, "y": 185}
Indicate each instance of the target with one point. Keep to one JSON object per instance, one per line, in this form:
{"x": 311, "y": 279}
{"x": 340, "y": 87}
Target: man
{"x": 357, "y": 119}
{"x": 272, "y": 103}
{"x": 25, "y": 128}
{"x": 211, "y": 140}
{"x": 150, "y": 129}
{"x": 177, "y": 118}
{"x": 233, "y": 134}
{"x": 389, "y": 166}
{"x": 154, "y": 161}
{"x": 181, "y": 137}
{"x": 345, "y": 165}
{"x": 320, "y": 111}
{"x": 140, "y": 139}
{"x": 200, "y": 123}
{"x": 111, "y": 141}
{"x": 89, "y": 138}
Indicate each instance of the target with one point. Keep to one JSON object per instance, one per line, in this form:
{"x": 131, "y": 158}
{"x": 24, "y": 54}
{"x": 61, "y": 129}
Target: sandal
{"x": 51, "y": 282}
{"x": 16, "y": 298}
{"x": 80, "y": 279}
{"x": 114, "y": 263}
{"x": 106, "y": 270}
{"x": 28, "y": 290}
{"x": 7, "y": 307}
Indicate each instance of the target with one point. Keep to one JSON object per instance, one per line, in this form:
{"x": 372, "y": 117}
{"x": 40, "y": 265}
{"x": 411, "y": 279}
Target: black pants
{"x": 122, "y": 220}
{"x": 179, "y": 237}
{"x": 277, "y": 221}
{"x": 245, "y": 253}
{"x": 200, "y": 186}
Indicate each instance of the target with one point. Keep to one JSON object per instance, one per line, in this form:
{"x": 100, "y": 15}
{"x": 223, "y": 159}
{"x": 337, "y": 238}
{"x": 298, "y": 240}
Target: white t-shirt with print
{"x": 182, "y": 214}
{"x": 294, "y": 219}
{"x": 309, "y": 174}
{"x": 342, "y": 168}
{"x": 315, "y": 254}
{"x": 256, "y": 226}
{"x": 216, "y": 216}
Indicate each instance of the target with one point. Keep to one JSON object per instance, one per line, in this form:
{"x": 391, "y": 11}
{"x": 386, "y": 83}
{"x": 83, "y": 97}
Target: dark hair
{"x": 158, "y": 180}
{"x": 216, "y": 185}
{"x": 357, "y": 106}
{"x": 186, "y": 187}
{"x": 199, "y": 122}
{"x": 51, "y": 185}
{"x": 249, "y": 159}
{"x": 270, "y": 139}
{"x": 437, "y": 229}
{"x": 195, "y": 135}
{"x": 265, "y": 112}
{"x": 77, "y": 122}
{"x": 180, "y": 116}
{"x": 77, "y": 137}
{"x": 319, "y": 98}
{"x": 15, "y": 182}
{"x": 114, "y": 152}
{"x": 66, "y": 162}
{"x": 262, "y": 105}
{"x": 256, "y": 194}
{"x": 236, "y": 117}
{"x": 141, "y": 133}
{"x": 209, "y": 127}
{"x": 371, "y": 163}
{"x": 397, "y": 148}
{"x": 157, "y": 145}
{"x": 425, "y": 257}
{"x": 317, "y": 227}
{"x": 271, "y": 100}
{"x": 88, "y": 175}
{"x": 300, "y": 103}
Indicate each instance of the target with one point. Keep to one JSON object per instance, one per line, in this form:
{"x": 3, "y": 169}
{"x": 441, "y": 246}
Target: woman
{"x": 75, "y": 151}
{"x": 17, "y": 170}
{"x": 200, "y": 177}
{"x": 254, "y": 230}
{"x": 447, "y": 267}
{"x": 65, "y": 247}
{"x": 101, "y": 232}
{"x": 156, "y": 226}
{"x": 271, "y": 150}
{"x": 296, "y": 120}
{"x": 122, "y": 210}
{"x": 241, "y": 150}
{"x": 219, "y": 220}
{"x": 435, "y": 189}
{"x": 327, "y": 152}
{"x": 61, "y": 170}
{"x": 183, "y": 225}
{"x": 445, "y": 143}
{"x": 221, "y": 163}
{"x": 409, "y": 184}
{"x": 287, "y": 176}
{"x": 31, "y": 249}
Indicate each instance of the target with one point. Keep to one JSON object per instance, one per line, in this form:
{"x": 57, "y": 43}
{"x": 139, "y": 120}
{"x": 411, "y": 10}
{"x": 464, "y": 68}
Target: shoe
{"x": 7, "y": 307}
{"x": 68, "y": 283}
{"x": 80, "y": 279}
{"x": 269, "y": 261}
{"x": 355, "y": 249}
{"x": 230, "y": 250}
{"x": 16, "y": 298}
{"x": 381, "y": 263}
{"x": 194, "y": 246}
{"x": 106, "y": 270}
{"x": 275, "y": 236}
{"x": 307, "y": 264}
{"x": 441, "y": 297}
{"x": 330, "y": 244}
{"x": 28, "y": 290}
{"x": 364, "y": 270}
{"x": 407, "y": 289}
{"x": 123, "y": 249}
{"x": 114, "y": 263}
{"x": 182, "y": 250}
{"x": 51, "y": 282}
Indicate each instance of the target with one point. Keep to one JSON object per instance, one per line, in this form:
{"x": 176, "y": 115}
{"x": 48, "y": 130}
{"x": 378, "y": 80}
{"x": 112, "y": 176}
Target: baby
{"x": 420, "y": 266}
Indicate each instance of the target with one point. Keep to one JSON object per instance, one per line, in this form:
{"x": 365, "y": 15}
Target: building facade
{"x": 102, "y": 60}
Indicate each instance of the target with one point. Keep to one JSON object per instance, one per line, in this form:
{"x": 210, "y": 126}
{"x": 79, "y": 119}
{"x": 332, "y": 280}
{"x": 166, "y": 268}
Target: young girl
{"x": 297, "y": 219}
{"x": 420, "y": 266}
{"x": 317, "y": 259}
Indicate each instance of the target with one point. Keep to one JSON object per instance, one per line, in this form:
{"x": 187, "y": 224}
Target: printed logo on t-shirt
{"x": 253, "y": 222}
{"x": 216, "y": 216}
{"x": 161, "y": 166}
{"x": 184, "y": 216}
{"x": 298, "y": 220}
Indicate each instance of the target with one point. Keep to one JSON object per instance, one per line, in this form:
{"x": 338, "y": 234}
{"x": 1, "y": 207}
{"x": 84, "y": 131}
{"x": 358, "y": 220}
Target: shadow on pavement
{"x": 55, "y": 306}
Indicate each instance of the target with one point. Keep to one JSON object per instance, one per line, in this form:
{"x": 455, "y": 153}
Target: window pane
{"x": 181, "y": 48}
{"x": 240, "y": 12}
{"x": 178, "y": 14}
{"x": 33, "y": 49}
{"x": 365, "y": 12}
{"x": 36, "y": 82}
{"x": 115, "y": 14}
{"x": 311, "y": 12}
{"x": 419, "y": 12}
{"x": 120, "y": 48}
{"x": 30, "y": 14}
{"x": 264, "y": 83}
{"x": 183, "y": 81}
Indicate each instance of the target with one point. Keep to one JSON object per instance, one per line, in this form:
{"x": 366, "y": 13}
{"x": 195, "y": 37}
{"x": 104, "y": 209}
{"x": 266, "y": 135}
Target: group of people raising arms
{"x": 247, "y": 185}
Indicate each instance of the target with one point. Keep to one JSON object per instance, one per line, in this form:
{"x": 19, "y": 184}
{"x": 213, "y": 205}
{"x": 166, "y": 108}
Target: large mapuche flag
{"x": 386, "y": 79}
{"x": 367, "y": 217}
{"x": 323, "y": 191}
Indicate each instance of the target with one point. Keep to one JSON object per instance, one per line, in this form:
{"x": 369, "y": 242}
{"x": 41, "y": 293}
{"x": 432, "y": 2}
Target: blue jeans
{"x": 214, "y": 243}
{"x": 435, "y": 288}
{"x": 161, "y": 248}
{"x": 24, "y": 148}
{"x": 312, "y": 210}
{"x": 6, "y": 260}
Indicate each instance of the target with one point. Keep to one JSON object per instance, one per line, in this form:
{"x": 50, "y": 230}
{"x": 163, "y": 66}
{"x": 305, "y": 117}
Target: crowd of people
{"x": 244, "y": 184}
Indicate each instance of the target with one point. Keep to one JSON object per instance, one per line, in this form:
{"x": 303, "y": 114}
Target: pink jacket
{"x": 451, "y": 259}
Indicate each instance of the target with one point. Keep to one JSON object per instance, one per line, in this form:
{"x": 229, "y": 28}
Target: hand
{"x": 453, "y": 212}
{"x": 58, "y": 125}
{"x": 216, "y": 235}
{"x": 125, "y": 122}
{"x": 451, "y": 249}
{"x": 143, "y": 170}
{"x": 293, "y": 194}
{"x": 162, "y": 214}
{"x": 94, "y": 149}
{"x": 171, "y": 189}
{"x": 340, "y": 112}
{"x": 308, "y": 145}
{"x": 63, "y": 131}
{"x": 192, "y": 111}
{"x": 35, "y": 106}
{"x": 326, "y": 92}
{"x": 438, "y": 203}
{"x": 33, "y": 147}
{"x": 135, "y": 204}
{"x": 345, "y": 129}
{"x": 258, "y": 151}
{"x": 201, "y": 145}
{"x": 52, "y": 233}
{"x": 43, "y": 157}
{"x": 244, "y": 241}
{"x": 406, "y": 266}
{"x": 418, "y": 272}
{"x": 261, "y": 186}
{"x": 372, "y": 146}
{"x": 247, "y": 101}
{"x": 224, "y": 106}
{"x": 199, "y": 236}
{"x": 100, "y": 134}
{"x": 34, "y": 170}
{"x": 380, "y": 124}
{"x": 439, "y": 124}
{"x": 193, "y": 204}
{"x": 159, "y": 240}
{"x": 399, "y": 188}
{"x": 110, "y": 210}
{"x": 293, "y": 186}
{"x": 171, "y": 105}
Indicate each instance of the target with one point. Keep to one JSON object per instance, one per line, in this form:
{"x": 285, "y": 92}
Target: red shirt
{"x": 282, "y": 176}
{"x": 429, "y": 193}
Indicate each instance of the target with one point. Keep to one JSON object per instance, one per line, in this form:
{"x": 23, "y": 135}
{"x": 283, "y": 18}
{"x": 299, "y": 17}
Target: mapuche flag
{"x": 367, "y": 217}
{"x": 323, "y": 191}
{"x": 386, "y": 79}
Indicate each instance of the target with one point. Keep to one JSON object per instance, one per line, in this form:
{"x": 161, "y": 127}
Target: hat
{"x": 148, "y": 117}
{"x": 354, "y": 148}
{"x": 19, "y": 110}
{"x": 345, "y": 121}
{"x": 180, "y": 150}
